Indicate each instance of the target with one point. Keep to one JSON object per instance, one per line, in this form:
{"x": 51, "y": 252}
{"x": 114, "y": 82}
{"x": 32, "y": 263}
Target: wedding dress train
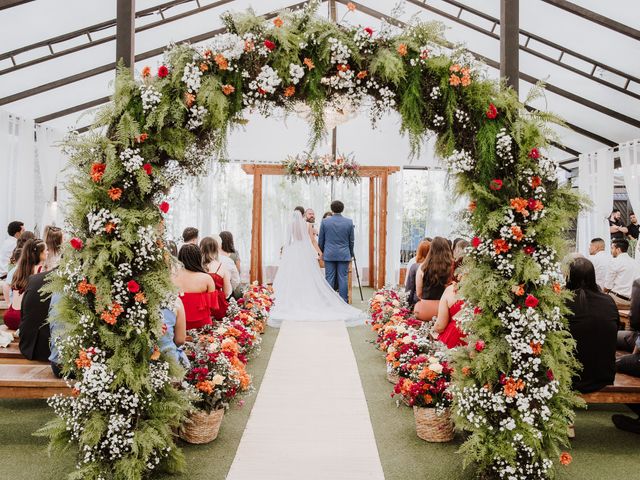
{"x": 302, "y": 294}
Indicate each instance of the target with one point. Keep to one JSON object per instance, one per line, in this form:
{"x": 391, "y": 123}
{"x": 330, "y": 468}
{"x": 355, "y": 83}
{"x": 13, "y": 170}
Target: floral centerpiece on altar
{"x": 308, "y": 168}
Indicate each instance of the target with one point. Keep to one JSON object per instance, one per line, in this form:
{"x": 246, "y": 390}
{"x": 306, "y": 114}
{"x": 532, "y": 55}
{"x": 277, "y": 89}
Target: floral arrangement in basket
{"x": 426, "y": 380}
{"x": 409, "y": 344}
{"x": 387, "y": 305}
{"x": 248, "y": 340}
{"x": 253, "y": 308}
{"x": 308, "y": 168}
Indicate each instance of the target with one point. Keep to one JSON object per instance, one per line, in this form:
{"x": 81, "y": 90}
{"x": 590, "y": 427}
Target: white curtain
{"x": 595, "y": 180}
{"x": 630, "y": 160}
{"x": 17, "y": 167}
{"x": 50, "y": 161}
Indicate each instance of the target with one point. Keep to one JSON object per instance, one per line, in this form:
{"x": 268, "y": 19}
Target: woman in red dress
{"x": 197, "y": 290}
{"x": 446, "y": 326}
{"x": 219, "y": 273}
{"x": 33, "y": 256}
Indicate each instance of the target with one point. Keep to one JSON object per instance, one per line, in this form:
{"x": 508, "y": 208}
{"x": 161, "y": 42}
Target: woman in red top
{"x": 446, "y": 325}
{"x": 33, "y": 256}
{"x": 218, "y": 272}
{"x": 197, "y": 290}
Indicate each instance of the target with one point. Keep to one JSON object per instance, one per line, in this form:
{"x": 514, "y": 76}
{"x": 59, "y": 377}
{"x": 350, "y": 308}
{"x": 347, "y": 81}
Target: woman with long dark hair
{"x": 53, "y": 238}
{"x": 218, "y": 272}
{"x": 227, "y": 248}
{"x": 432, "y": 278}
{"x": 410, "y": 283}
{"x": 32, "y": 258}
{"x": 594, "y": 326}
{"x": 197, "y": 290}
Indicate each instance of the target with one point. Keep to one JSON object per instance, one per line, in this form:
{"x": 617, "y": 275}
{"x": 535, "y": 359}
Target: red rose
{"x": 369, "y": 31}
{"x": 479, "y": 346}
{"x": 164, "y": 207}
{"x": 550, "y": 375}
{"x": 147, "y": 168}
{"x": 532, "y": 204}
{"x": 534, "y": 153}
{"x": 76, "y": 243}
{"x": 270, "y": 45}
{"x": 492, "y": 111}
{"x": 529, "y": 249}
{"x": 496, "y": 184}
{"x": 133, "y": 286}
{"x": 531, "y": 301}
{"x": 475, "y": 242}
{"x": 163, "y": 71}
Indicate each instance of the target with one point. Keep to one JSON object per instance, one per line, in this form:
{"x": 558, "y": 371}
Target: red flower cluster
{"x": 270, "y": 45}
{"x": 495, "y": 184}
{"x": 492, "y": 111}
{"x": 133, "y": 286}
{"x": 531, "y": 301}
{"x": 164, "y": 207}
{"x": 76, "y": 243}
{"x": 163, "y": 71}
{"x": 147, "y": 168}
{"x": 534, "y": 153}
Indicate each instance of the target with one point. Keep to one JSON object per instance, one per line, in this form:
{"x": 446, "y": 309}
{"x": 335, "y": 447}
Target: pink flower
{"x": 163, "y": 71}
{"x": 164, "y": 207}
{"x": 480, "y": 346}
{"x": 550, "y": 376}
{"x": 76, "y": 243}
{"x": 270, "y": 45}
{"x": 133, "y": 286}
{"x": 534, "y": 153}
{"x": 492, "y": 111}
{"x": 147, "y": 168}
{"x": 531, "y": 301}
{"x": 475, "y": 242}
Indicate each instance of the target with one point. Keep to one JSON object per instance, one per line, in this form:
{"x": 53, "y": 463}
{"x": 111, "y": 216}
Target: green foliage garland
{"x": 165, "y": 126}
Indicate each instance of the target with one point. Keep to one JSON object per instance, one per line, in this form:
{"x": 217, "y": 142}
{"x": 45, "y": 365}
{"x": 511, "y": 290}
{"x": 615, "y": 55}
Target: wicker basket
{"x": 433, "y": 427}
{"x": 202, "y": 427}
{"x": 393, "y": 377}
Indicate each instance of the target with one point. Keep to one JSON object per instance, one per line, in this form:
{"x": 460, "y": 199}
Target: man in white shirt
{"x": 600, "y": 260}
{"x": 622, "y": 273}
{"x": 14, "y": 229}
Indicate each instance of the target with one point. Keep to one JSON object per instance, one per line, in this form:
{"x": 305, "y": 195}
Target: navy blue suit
{"x": 336, "y": 241}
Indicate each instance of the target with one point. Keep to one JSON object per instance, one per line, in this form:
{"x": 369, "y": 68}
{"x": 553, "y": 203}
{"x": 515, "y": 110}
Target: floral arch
{"x": 512, "y": 385}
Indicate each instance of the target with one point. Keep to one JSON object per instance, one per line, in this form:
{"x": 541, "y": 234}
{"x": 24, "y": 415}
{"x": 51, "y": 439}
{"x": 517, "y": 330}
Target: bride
{"x": 301, "y": 292}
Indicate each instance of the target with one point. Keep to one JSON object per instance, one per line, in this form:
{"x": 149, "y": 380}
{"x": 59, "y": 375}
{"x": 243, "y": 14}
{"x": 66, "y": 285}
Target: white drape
{"x": 17, "y": 170}
{"x": 630, "y": 161}
{"x": 50, "y": 161}
{"x": 595, "y": 180}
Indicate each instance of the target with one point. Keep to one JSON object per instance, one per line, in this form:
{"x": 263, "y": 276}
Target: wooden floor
{"x": 310, "y": 420}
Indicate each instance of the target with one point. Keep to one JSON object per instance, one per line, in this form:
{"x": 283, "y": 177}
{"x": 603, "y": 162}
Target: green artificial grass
{"x": 600, "y": 451}
{"x": 24, "y": 457}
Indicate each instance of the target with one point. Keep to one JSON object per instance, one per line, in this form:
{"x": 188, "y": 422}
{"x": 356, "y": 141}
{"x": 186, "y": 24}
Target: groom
{"x": 336, "y": 241}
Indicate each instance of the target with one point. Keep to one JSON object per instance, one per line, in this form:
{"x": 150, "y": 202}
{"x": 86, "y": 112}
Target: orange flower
{"x": 454, "y": 68}
{"x": 427, "y": 398}
{"x": 362, "y": 74}
{"x": 142, "y": 137}
{"x": 557, "y": 288}
{"x": 351, "y": 6}
{"x": 146, "y": 71}
{"x": 189, "y": 98}
{"x": 536, "y": 205}
{"x": 245, "y": 380}
{"x": 511, "y": 387}
{"x": 516, "y": 231}
{"x": 205, "y": 387}
{"x": 402, "y": 49}
{"x": 501, "y": 246}
{"x": 108, "y": 317}
{"x": 520, "y": 206}
{"x": 140, "y": 298}
{"x": 454, "y": 80}
{"x": 109, "y": 227}
{"x": 309, "y": 63}
{"x": 221, "y": 62}
{"x": 565, "y": 458}
{"x": 97, "y": 171}
{"x": 83, "y": 361}
{"x": 518, "y": 290}
{"x": 228, "y": 89}
{"x": 472, "y": 206}
{"x": 466, "y": 80}
{"x": 466, "y": 371}
{"x": 115, "y": 193}
{"x": 536, "y": 182}
{"x": 85, "y": 287}
{"x": 155, "y": 355}
{"x": 204, "y": 67}
{"x": 536, "y": 347}
{"x": 289, "y": 91}
{"x": 117, "y": 309}
{"x": 249, "y": 46}
{"x": 278, "y": 22}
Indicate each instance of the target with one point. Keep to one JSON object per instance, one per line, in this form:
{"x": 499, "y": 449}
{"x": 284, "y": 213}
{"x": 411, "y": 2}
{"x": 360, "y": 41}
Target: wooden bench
{"x": 30, "y": 381}
{"x": 12, "y": 355}
{"x": 624, "y": 318}
{"x": 625, "y": 389}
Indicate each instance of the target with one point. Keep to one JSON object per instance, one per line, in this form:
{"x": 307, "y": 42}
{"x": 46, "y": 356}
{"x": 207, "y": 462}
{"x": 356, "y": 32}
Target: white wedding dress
{"x": 302, "y": 294}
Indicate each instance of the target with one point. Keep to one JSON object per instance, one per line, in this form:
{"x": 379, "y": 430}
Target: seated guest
{"x": 190, "y": 235}
{"x": 616, "y": 228}
{"x": 32, "y": 258}
{"x": 459, "y": 251}
{"x": 7, "y": 293}
{"x": 410, "y": 282}
{"x": 172, "y": 248}
{"x": 230, "y": 266}
{"x": 34, "y": 328}
{"x": 446, "y": 327}
{"x": 218, "y": 272}
{"x": 197, "y": 290}
{"x": 327, "y": 214}
{"x": 432, "y": 278}
{"x": 53, "y": 238}
{"x": 413, "y": 260}
{"x": 594, "y": 326}
{"x": 14, "y": 230}
{"x": 227, "y": 248}
{"x": 175, "y": 334}
{"x": 627, "y": 339}
{"x": 622, "y": 273}
{"x": 600, "y": 260}
{"x": 633, "y": 229}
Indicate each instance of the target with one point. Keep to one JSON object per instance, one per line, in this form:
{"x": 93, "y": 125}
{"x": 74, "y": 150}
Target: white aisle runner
{"x": 310, "y": 419}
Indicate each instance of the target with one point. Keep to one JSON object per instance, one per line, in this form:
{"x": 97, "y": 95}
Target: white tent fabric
{"x": 50, "y": 161}
{"x": 630, "y": 161}
{"x": 595, "y": 180}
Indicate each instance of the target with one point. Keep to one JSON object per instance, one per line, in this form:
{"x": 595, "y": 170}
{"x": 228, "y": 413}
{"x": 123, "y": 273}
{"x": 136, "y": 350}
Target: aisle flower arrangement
{"x": 426, "y": 380}
{"x": 314, "y": 168}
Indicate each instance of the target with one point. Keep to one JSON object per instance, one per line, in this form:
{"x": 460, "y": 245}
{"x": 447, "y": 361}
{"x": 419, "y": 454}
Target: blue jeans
{"x": 337, "y": 273}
